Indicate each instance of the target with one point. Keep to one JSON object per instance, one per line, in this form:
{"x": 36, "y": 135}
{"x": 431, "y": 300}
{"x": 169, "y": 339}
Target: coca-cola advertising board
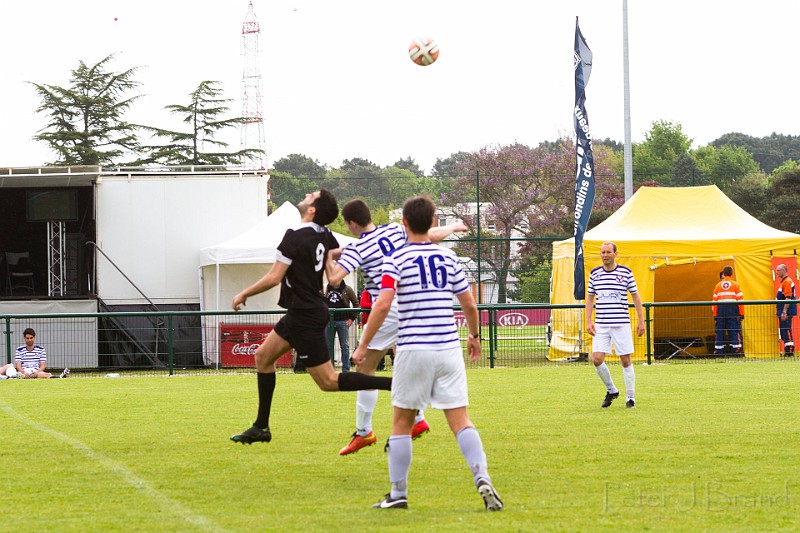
{"x": 238, "y": 344}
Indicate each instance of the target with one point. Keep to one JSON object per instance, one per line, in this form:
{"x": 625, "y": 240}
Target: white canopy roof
{"x": 259, "y": 243}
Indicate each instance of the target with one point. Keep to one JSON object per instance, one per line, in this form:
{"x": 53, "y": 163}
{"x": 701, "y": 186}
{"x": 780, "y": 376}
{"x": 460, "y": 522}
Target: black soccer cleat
{"x": 252, "y": 435}
{"x": 490, "y": 497}
{"x": 610, "y": 397}
{"x": 631, "y": 403}
{"x": 392, "y": 503}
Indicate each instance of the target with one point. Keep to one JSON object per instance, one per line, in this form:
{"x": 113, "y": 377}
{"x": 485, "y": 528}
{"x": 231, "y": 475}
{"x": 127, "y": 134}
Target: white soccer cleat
{"x": 490, "y": 497}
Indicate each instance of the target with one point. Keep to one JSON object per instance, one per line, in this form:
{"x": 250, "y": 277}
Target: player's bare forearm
{"x": 637, "y": 303}
{"x": 380, "y": 310}
{"x": 470, "y": 311}
{"x": 270, "y": 280}
{"x": 474, "y": 349}
{"x": 335, "y": 253}
{"x": 334, "y": 272}
{"x": 472, "y": 316}
{"x": 262, "y": 285}
{"x": 441, "y": 232}
{"x": 589, "y": 313}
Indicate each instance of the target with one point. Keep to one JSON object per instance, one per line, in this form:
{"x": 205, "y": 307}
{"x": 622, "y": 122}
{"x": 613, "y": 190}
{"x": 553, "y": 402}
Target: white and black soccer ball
{"x": 423, "y": 51}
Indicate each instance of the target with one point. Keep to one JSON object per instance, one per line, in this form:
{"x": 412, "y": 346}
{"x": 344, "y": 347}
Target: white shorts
{"x": 620, "y": 336}
{"x": 425, "y": 377}
{"x": 386, "y": 337}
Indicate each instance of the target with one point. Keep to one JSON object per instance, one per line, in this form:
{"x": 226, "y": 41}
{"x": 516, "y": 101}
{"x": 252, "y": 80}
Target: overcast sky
{"x": 337, "y": 82}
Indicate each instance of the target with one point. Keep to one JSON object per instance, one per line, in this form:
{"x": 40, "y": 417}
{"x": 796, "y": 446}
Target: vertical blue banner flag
{"x": 584, "y": 164}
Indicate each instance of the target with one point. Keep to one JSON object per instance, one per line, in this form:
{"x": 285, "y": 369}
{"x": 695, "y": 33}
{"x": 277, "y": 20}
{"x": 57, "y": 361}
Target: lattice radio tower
{"x": 252, "y": 130}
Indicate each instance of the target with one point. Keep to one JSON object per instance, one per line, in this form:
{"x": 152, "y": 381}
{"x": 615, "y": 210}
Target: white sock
{"x": 605, "y": 376}
{"x": 365, "y": 405}
{"x": 419, "y": 417}
{"x": 399, "y": 464}
{"x": 472, "y": 449}
{"x": 630, "y": 381}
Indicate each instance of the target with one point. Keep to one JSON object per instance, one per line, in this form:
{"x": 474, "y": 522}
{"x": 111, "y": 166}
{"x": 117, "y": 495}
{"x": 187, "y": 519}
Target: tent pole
{"x": 217, "y": 267}
{"x": 218, "y": 308}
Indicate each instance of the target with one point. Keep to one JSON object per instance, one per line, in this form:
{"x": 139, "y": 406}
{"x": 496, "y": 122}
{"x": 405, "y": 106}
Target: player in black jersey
{"x": 298, "y": 268}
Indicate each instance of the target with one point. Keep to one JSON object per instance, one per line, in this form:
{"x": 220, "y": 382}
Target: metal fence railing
{"x": 514, "y": 335}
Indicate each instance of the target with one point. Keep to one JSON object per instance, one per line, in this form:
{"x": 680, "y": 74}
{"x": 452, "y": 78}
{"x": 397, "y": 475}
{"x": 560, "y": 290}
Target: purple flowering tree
{"x": 524, "y": 193}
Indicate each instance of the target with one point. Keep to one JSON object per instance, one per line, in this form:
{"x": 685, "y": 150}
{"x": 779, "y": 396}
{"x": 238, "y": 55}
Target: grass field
{"x": 708, "y": 448}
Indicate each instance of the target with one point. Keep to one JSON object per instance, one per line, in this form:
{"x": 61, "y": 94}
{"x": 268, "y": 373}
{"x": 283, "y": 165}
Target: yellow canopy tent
{"x": 676, "y": 241}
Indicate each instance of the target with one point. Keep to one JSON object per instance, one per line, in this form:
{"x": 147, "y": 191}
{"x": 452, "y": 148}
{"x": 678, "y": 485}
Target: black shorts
{"x": 304, "y": 329}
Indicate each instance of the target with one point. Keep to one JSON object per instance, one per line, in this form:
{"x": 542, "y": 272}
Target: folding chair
{"x": 19, "y": 276}
{"x": 681, "y": 346}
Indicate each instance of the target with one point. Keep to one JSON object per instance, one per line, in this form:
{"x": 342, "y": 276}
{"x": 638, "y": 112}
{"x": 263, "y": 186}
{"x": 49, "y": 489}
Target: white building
{"x": 122, "y": 239}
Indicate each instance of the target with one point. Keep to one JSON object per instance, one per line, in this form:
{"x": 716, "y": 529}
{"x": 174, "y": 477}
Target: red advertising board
{"x": 511, "y": 317}
{"x": 238, "y": 344}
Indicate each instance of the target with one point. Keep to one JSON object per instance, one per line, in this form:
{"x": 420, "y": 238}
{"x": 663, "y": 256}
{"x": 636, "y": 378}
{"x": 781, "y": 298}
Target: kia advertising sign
{"x": 511, "y": 317}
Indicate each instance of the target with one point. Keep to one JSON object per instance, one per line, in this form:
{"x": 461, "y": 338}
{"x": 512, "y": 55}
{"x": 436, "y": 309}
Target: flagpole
{"x": 628, "y": 154}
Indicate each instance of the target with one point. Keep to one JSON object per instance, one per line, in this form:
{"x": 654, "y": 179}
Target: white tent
{"x": 229, "y": 267}
{"x": 256, "y": 245}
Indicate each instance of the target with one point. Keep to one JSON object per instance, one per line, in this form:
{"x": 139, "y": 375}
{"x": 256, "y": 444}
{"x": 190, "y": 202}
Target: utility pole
{"x": 628, "y": 154}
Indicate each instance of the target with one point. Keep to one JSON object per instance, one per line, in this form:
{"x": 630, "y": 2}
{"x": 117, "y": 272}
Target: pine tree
{"x": 202, "y": 115}
{"x": 86, "y": 125}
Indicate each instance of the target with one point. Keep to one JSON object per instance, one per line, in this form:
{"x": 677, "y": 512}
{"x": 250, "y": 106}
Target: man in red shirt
{"x": 366, "y": 303}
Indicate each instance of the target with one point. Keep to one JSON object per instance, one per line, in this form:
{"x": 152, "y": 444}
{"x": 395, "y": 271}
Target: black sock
{"x": 350, "y": 381}
{"x": 266, "y": 389}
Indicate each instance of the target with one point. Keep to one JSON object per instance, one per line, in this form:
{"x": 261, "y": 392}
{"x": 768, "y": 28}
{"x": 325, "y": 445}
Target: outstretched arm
{"x": 439, "y": 233}
{"x": 271, "y": 279}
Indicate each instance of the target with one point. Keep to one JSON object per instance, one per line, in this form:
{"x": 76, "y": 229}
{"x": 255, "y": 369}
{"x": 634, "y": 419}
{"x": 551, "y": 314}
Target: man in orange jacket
{"x": 787, "y": 310}
{"x": 728, "y": 316}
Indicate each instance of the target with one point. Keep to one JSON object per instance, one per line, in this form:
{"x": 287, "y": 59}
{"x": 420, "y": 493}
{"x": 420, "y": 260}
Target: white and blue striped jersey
{"x": 426, "y": 278}
{"x": 31, "y": 358}
{"x": 368, "y": 253}
{"x": 611, "y": 288}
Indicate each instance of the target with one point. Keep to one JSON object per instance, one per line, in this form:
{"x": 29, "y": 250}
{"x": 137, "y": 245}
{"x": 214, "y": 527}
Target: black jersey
{"x": 305, "y": 249}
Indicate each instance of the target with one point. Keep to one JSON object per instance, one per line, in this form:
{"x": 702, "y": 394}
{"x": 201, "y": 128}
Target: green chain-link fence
{"x": 521, "y": 335}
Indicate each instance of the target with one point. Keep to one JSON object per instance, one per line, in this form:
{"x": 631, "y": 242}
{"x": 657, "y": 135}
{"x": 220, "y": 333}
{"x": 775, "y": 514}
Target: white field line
{"x": 166, "y": 503}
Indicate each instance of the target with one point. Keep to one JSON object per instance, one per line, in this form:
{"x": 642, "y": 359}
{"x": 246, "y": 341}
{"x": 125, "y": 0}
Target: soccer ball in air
{"x": 423, "y": 51}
